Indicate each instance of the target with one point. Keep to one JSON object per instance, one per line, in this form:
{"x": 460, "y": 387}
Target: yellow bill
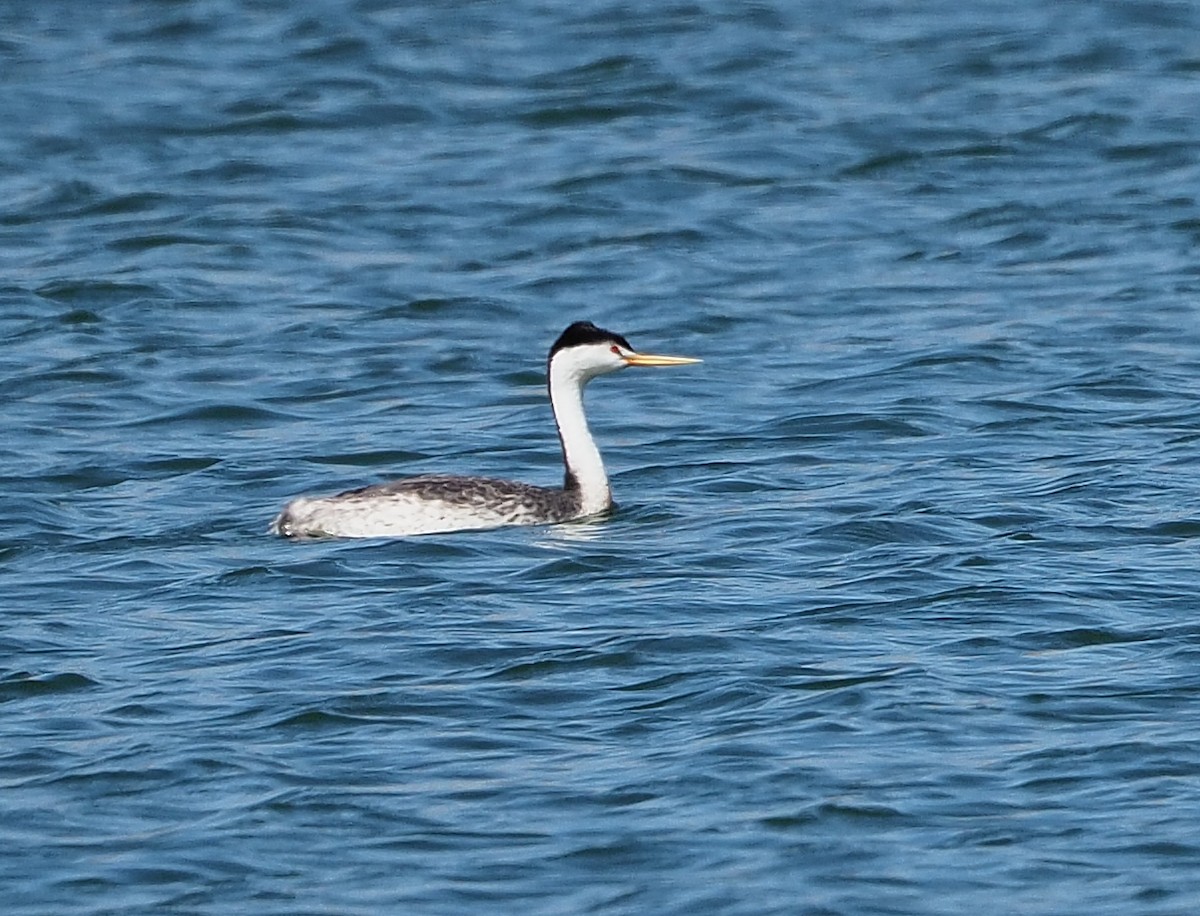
{"x": 650, "y": 359}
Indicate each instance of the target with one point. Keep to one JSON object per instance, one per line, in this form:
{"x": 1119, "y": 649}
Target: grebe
{"x": 439, "y": 503}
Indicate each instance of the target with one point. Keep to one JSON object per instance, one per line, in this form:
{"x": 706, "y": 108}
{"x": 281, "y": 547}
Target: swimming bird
{"x": 439, "y": 503}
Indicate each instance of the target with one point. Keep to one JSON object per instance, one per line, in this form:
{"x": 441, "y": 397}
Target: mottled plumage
{"x": 438, "y": 503}
{"x": 427, "y": 505}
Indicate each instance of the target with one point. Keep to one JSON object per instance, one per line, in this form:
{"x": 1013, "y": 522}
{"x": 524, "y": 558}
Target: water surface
{"x": 898, "y": 611}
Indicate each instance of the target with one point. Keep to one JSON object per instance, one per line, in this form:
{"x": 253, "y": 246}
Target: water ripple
{"x": 895, "y": 611}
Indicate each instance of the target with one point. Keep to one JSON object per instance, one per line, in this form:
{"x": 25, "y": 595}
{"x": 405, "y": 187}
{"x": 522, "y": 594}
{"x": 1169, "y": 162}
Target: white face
{"x": 581, "y": 364}
{"x": 587, "y": 361}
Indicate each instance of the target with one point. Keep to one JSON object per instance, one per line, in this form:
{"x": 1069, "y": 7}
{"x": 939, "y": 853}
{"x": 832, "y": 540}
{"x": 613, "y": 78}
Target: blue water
{"x": 899, "y": 614}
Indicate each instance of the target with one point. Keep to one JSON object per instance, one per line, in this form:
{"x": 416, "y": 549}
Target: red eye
{"x": 615, "y": 349}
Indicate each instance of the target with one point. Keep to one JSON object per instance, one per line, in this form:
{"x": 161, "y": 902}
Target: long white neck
{"x": 580, "y": 454}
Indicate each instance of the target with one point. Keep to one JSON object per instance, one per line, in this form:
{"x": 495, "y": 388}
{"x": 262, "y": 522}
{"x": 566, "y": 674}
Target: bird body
{"x": 428, "y": 504}
{"x": 440, "y": 503}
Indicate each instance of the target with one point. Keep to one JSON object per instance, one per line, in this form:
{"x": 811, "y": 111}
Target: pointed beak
{"x": 649, "y": 359}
